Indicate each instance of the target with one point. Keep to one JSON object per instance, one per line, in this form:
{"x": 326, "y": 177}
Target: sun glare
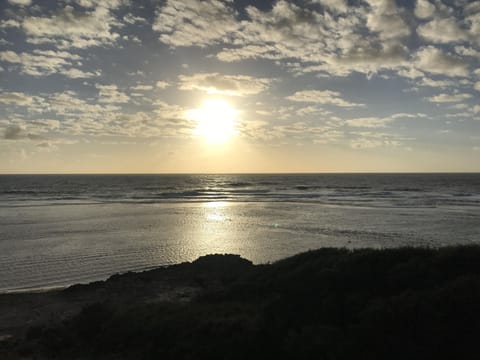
{"x": 216, "y": 121}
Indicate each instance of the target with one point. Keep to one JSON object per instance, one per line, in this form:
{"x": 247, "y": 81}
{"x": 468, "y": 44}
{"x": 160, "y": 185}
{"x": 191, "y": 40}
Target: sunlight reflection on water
{"x": 215, "y": 210}
{"x": 58, "y": 245}
{"x": 216, "y": 204}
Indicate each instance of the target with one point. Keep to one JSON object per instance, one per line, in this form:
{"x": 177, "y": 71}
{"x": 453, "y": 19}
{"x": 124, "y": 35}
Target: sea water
{"x": 57, "y": 230}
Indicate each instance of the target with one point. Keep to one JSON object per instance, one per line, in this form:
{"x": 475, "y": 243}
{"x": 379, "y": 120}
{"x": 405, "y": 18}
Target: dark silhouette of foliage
{"x": 406, "y": 303}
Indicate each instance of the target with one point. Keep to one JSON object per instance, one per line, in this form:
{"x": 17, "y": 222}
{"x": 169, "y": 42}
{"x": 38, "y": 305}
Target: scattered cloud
{"x": 162, "y": 84}
{"x": 371, "y": 143}
{"x": 379, "y": 122}
{"x": 442, "y": 30}
{"x": 386, "y": 20}
{"x": 110, "y": 94}
{"x": 142, "y": 87}
{"x": 449, "y": 98}
{"x": 467, "y": 51}
{"x": 340, "y": 6}
{"x": 193, "y": 22}
{"x": 410, "y": 73}
{"x": 16, "y": 98}
{"x": 20, "y": 2}
{"x": 16, "y": 132}
{"x": 427, "y": 82}
{"x": 46, "y": 62}
{"x": 433, "y": 60}
{"x": 9, "y": 23}
{"x": 132, "y": 19}
{"x": 424, "y": 9}
{"x": 458, "y": 106}
{"x": 321, "y": 97}
{"x": 231, "y": 85}
{"x": 69, "y": 27}
{"x": 426, "y": 50}
{"x": 13, "y": 133}
{"x": 77, "y": 74}
{"x": 369, "y": 122}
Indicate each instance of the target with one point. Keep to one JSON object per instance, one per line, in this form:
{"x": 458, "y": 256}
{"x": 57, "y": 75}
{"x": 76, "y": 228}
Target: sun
{"x": 216, "y": 121}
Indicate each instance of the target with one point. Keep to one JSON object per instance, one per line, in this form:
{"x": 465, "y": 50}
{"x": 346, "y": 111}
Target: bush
{"x": 328, "y": 304}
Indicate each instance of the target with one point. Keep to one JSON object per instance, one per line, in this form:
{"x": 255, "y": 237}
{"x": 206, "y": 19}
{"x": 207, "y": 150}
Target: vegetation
{"x": 406, "y": 303}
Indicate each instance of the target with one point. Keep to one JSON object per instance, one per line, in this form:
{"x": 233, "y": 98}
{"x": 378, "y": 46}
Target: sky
{"x": 124, "y": 86}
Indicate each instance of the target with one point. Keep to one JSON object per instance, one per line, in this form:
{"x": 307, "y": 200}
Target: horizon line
{"x": 245, "y": 173}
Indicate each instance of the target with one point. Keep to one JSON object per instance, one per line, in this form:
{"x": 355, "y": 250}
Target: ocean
{"x": 57, "y": 230}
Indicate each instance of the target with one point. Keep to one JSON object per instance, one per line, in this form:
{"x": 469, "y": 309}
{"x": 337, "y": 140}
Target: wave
{"x": 240, "y": 184}
{"x": 377, "y": 190}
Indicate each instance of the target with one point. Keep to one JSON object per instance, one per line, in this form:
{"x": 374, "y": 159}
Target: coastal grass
{"x": 404, "y": 303}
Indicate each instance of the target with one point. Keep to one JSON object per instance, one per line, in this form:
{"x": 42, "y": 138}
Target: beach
{"x": 55, "y": 235}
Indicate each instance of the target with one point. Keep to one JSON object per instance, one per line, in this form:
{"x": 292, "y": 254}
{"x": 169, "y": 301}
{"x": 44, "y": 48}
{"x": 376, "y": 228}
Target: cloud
{"x": 467, "y": 51}
{"x": 371, "y": 143}
{"x": 35, "y": 65}
{"x": 307, "y": 42}
{"x": 110, "y": 94}
{"x": 46, "y": 62}
{"x": 472, "y": 7}
{"x": 193, "y": 22}
{"x": 162, "y": 84}
{"x": 474, "y": 20}
{"x": 67, "y": 104}
{"x": 77, "y": 74}
{"x": 407, "y": 116}
{"x": 342, "y": 38}
{"x": 434, "y": 60}
{"x": 47, "y": 146}
{"x": 16, "y": 132}
{"x": 321, "y": 97}
{"x": 231, "y": 85}
{"x": 132, "y": 19}
{"x": 368, "y": 122}
{"x": 458, "y": 106}
{"x": 385, "y": 19}
{"x": 70, "y": 27}
{"x": 308, "y": 110}
{"x": 410, "y": 73}
{"x": 424, "y": 9}
{"x": 449, "y": 98}
{"x": 111, "y": 4}
{"x": 379, "y": 122}
{"x": 10, "y": 23}
{"x": 336, "y": 5}
{"x": 335, "y": 45}
{"x": 367, "y": 37}
{"x": 427, "y": 82}
{"x": 442, "y": 31}
{"x": 20, "y": 2}
{"x": 174, "y": 113}
{"x": 16, "y": 98}
{"x": 250, "y": 51}
{"x": 142, "y": 87}
{"x": 90, "y": 117}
